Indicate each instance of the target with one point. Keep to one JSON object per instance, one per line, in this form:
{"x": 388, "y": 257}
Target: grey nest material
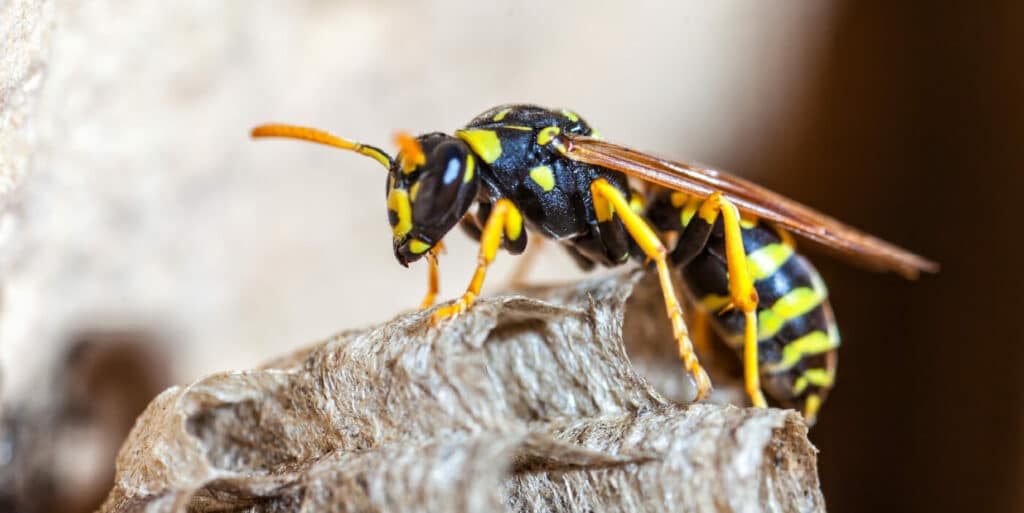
{"x": 525, "y": 403}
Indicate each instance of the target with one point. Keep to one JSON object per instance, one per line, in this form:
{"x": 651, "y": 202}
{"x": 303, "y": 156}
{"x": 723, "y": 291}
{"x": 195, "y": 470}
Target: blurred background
{"x": 146, "y": 241}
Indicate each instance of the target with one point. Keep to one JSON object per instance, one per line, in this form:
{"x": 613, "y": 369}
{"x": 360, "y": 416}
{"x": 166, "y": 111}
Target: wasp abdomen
{"x": 797, "y": 334}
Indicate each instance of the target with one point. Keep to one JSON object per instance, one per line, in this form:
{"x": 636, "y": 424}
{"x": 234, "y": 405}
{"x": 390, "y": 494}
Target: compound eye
{"x": 451, "y": 159}
{"x": 439, "y": 187}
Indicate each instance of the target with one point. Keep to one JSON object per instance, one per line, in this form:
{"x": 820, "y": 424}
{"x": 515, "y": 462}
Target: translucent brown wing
{"x": 753, "y": 199}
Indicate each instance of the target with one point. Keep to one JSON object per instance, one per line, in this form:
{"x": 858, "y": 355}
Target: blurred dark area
{"x": 913, "y": 131}
{"x": 56, "y": 451}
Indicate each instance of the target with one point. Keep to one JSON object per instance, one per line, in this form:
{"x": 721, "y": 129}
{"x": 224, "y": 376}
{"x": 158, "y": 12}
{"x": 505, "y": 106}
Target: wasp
{"x": 546, "y": 172}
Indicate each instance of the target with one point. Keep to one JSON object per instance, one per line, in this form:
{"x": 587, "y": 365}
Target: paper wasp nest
{"x": 523, "y": 404}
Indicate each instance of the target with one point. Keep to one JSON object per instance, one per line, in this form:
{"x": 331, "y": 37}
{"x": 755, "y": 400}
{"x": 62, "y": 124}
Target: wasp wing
{"x": 752, "y": 199}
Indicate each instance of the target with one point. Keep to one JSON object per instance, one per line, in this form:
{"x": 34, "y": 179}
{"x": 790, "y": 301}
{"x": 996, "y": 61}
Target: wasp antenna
{"x": 321, "y": 137}
{"x": 410, "y": 150}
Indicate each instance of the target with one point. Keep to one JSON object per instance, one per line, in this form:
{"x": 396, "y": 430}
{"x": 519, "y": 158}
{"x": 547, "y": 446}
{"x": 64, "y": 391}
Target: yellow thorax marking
{"x": 547, "y": 134}
{"x": 571, "y": 115}
{"x": 543, "y": 176}
{"x": 484, "y": 143}
{"x": 501, "y": 115}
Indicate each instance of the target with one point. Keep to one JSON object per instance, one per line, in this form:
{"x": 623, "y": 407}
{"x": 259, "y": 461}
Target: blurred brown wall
{"x": 914, "y": 131}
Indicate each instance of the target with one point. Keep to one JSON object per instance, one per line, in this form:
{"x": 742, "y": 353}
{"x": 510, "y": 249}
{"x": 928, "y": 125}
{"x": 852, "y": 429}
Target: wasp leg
{"x": 608, "y": 200}
{"x": 701, "y": 332}
{"x": 504, "y": 220}
{"x": 432, "y": 278}
{"x": 741, "y": 287}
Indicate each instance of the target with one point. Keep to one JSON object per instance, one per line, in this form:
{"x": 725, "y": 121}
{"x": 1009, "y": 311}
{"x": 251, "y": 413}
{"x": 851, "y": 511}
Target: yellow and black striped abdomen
{"x": 797, "y": 334}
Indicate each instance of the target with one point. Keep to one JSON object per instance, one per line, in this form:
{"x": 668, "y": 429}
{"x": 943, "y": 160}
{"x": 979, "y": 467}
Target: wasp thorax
{"x": 431, "y": 185}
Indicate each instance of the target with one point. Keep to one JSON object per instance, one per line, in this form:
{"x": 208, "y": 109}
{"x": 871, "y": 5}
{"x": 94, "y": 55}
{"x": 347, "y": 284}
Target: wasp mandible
{"x": 536, "y": 170}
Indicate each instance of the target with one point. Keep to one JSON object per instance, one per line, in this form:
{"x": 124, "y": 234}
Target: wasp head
{"x": 431, "y": 185}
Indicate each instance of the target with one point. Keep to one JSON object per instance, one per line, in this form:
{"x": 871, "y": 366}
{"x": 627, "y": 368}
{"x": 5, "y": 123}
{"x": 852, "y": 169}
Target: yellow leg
{"x": 432, "y": 279}
{"x": 741, "y": 287}
{"x": 608, "y": 199}
{"x": 701, "y": 332}
{"x": 505, "y": 219}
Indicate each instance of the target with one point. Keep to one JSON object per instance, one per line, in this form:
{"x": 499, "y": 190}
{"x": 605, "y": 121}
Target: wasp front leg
{"x": 504, "y": 221}
{"x": 610, "y": 201}
{"x": 433, "y": 278}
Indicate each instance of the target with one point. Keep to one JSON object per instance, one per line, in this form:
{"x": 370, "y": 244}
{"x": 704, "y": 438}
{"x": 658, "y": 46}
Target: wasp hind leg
{"x": 741, "y": 285}
{"x": 503, "y": 222}
{"x": 609, "y": 201}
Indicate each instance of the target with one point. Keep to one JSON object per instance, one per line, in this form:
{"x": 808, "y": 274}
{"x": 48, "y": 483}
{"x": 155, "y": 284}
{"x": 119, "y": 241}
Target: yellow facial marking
{"x": 513, "y": 224}
{"x": 501, "y": 115}
{"x": 414, "y": 190}
{"x": 485, "y": 143}
{"x": 398, "y": 201}
{"x": 765, "y": 261}
{"x": 571, "y": 115}
{"x": 813, "y": 343}
{"x": 543, "y": 176}
{"x": 470, "y": 169}
{"x": 417, "y": 246}
{"x": 547, "y": 134}
{"x": 790, "y": 306}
